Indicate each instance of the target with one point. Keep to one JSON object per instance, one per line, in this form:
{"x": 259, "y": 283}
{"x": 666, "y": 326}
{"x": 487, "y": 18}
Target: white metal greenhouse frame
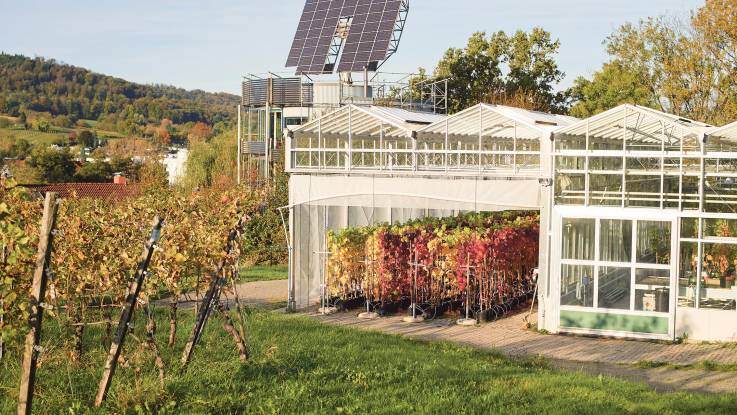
{"x": 637, "y": 194}
{"x": 366, "y": 165}
{"x": 629, "y": 202}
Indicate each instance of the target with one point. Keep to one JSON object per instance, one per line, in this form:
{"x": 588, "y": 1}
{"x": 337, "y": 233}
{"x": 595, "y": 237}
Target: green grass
{"x": 32, "y": 136}
{"x": 263, "y": 273}
{"x": 299, "y": 365}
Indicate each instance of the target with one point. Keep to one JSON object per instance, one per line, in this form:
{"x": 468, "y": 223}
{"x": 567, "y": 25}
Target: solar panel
{"x": 318, "y": 40}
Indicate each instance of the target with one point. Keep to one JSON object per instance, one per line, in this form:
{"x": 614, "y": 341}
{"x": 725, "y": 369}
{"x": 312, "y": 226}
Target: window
{"x": 570, "y": 142}
{"x": 626, "y": 262}
{"x": 615, "y": 239}
{"x": 605, "y": 189}
{"x": 689, "y": 227}
{"x": 720, "y": 194}
{"x": 578, "y": 239}
{"x": 652, "y": 292}
{"x": 688, "y": 266}
{"x": 570, "y": 188}
{"x": 653, "y": 246}
{"x": 614, "y": 287}
{"x": 643, "y": 190}
{"x": 718, "y": 276}
{"x": 577, "y": 285}
{"x": 708, "y": 263}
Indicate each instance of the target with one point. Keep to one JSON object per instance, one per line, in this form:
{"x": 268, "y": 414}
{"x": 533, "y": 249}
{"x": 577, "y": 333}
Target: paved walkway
{"x": 257, "y": 292}
{"x": 592, "y": 355}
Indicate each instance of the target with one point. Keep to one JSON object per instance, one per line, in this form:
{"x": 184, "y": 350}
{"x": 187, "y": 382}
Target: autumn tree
{"x": 199, "y": 132}
{"x": 688, "y": 68}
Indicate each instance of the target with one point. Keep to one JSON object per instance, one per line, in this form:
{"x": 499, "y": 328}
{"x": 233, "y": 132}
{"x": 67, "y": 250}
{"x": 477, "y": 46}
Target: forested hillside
{"x": 44, "y": 85}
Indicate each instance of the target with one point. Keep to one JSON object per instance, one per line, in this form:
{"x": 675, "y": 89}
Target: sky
{"x": 210, "y": 44}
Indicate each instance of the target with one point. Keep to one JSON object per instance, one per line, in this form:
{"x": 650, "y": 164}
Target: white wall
{"x": 706, "y": 325}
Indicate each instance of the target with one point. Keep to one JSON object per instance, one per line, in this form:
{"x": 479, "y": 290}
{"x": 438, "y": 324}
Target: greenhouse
{"x": 643, "y": 228}
{"x": 360, "y": 166}
{"x": 637, "y": 208}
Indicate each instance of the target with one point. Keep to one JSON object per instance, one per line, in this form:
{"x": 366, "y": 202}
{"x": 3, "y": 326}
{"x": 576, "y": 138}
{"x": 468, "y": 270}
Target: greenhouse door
{"x": 616, "y": 272}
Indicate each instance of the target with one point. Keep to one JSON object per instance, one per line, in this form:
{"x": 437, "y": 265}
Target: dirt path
{"x": 590, "y": 355}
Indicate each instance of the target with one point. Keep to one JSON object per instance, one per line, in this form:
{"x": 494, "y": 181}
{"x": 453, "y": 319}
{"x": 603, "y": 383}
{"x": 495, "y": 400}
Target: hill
{"x": 47, "y": 86}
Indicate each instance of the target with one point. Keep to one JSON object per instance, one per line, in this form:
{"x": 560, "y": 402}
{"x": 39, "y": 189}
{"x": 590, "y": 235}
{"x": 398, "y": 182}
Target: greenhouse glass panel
{"x": 577, "y": 285}
{"x": 615, "y": 240}
{"x": 720, "y": 228}
{"x": 692, "y": 165}
{"x": 718, "y": 279}
{"x": 570, "y": 163}
{"x": 720, "y": 194}
{"x": 578, "y": 239}
{"x": 528, "y": 145}
{"x": 672, "y": 165}
{"x": 499, "y": 161}
{"x": 652, "y": 292}
{"x": 605, "y": 163}
{"x": 690, "y": 228}
{"x": 688, "y": 266}
{"x": 570, "y": 188}
{"x": 691, "y": 143}
{"x": 720, "y": 165}
{"x": 570, "y": 142}
{"x": 497, "y": 144}
{"x": 643, "y": 164}
{"x": 605, "y": 189}
{"x": 608, "y": 143}
{"x": 653, "y": 242}
{"x": 642, "y": 190}
{"x": 690, "y": 192}
{"x": 671, "y": 191}
{"x": 717, "y": 144}
{"x": 615, "y": 284}
{"x": 643, "y": 134}
{"x": 527, "y": 161}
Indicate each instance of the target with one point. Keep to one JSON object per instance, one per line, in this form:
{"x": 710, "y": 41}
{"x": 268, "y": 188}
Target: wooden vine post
{"x": 212, "y": 296}
{"x": 38, "y": 292}
{"x": 127, "y": 314}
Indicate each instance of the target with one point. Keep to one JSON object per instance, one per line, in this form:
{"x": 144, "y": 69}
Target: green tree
{"x": 94, "y": 172}
{"x": 63, "y": 121}
{"x": 43, "y": 125}
{"x": 519, "y": 69}
{"x": 473, "y": 72}
{"x": 52, "y": 165}
{"x": 21, "y": 148}
{"x": 533, "y": 70}
{"x": 87, "y": 139}
{"x": 22, "y": 118}
{"x": 611, "y": 86}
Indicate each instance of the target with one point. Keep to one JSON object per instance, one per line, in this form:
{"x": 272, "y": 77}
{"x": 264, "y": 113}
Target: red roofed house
{"x": 113, "y": 192}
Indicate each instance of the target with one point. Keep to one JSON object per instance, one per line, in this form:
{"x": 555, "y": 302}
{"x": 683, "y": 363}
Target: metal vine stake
{"x": 127, "y": 314}
{"x": 210, "y": 301}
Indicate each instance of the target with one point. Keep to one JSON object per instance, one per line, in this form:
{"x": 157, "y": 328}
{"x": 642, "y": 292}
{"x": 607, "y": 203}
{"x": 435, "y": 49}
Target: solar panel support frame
{"x": 397, "y": 32}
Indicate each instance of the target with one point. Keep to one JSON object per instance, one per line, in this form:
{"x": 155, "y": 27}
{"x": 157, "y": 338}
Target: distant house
{"x": 116, "y": 191}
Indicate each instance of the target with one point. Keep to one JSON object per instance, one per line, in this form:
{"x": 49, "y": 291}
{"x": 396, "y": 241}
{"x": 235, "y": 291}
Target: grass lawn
{"x": 32, "y": 136}
{"x": 299, "y": 365}
{"x": 263, "y": 273}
